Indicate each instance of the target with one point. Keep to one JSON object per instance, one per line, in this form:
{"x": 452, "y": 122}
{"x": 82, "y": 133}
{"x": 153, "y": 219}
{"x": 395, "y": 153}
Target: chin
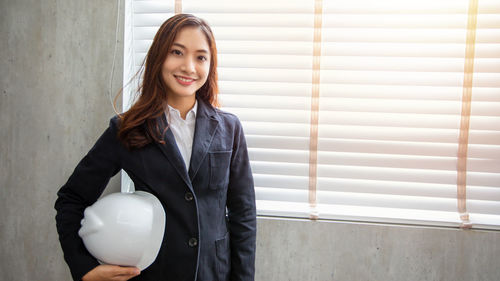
{"x": 184, "y": 94}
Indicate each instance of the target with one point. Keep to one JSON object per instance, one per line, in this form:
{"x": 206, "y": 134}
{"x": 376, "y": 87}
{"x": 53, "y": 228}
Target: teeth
{"x": 184, "y": 79}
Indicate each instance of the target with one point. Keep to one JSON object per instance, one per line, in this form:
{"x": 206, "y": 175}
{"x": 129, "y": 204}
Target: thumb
{"x": 133, "y": 271}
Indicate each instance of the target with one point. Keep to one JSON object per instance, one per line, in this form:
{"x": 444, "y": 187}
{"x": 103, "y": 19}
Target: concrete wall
{"x": 340, "y": 251}
{"x": 56, "y": 59}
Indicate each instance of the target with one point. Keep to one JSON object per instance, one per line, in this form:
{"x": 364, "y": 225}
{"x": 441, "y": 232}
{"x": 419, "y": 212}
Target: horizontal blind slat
{"x": 388, "y": 201}
{"x": 281, "y": 181}
{"x": 408, "y": 49}
{"x": 261, "y": 88}
{"x": 278, "y": 155}
{"x": 150, "y": 7}
{"x": 396, "y": 7}
{"x": 379, "y": 133}
{"x": 388, "y": 147}
{"x": 388, "y": 174}
{"x": 257, "y": 6}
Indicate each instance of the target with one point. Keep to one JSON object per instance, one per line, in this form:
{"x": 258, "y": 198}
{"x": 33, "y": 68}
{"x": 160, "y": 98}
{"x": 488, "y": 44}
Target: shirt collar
{"x": 175, "y": 113}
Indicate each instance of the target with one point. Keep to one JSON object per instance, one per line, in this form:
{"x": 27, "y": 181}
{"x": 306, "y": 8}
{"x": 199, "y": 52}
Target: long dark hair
{"x": 140, "y": 125}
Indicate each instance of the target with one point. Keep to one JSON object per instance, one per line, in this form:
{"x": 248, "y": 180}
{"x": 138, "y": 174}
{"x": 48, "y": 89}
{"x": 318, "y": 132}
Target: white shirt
{"x": 183, "y": 130}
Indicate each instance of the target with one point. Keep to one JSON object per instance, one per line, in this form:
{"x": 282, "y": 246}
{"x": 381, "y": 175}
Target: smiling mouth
{"x": 184, "y": 80}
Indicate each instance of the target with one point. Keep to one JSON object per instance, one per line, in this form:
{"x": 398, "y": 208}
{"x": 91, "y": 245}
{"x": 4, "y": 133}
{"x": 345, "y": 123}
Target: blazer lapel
{"x": 206, "y": 125}
{"x": 173, "y": 154}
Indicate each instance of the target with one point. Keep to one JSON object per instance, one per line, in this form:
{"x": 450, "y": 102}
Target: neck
{"x": 183, "y": 104}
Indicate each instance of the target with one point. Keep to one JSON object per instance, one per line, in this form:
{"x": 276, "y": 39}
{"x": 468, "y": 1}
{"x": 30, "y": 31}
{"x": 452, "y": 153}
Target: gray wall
{"x": 56, "y": 59}
{"x": 341, "y": 251}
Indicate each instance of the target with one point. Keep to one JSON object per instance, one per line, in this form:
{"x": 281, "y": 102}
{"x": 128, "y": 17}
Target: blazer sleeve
{"x": 241, "y": 211}
{"x": 82, "y": 189}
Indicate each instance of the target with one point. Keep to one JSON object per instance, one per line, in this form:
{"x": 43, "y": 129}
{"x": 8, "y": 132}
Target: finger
{"x": 127, "y": 271}
{"x": 121, "y": 278}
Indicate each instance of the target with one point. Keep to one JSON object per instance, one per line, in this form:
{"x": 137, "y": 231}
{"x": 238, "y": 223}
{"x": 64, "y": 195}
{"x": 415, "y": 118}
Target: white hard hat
{"x": 124, "y": 229}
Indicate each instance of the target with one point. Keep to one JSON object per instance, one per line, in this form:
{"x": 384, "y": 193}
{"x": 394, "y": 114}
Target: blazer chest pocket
{"x": 219, "y": 168}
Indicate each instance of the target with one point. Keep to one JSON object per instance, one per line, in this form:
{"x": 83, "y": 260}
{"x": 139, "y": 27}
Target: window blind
{"x": 352, "y": 110}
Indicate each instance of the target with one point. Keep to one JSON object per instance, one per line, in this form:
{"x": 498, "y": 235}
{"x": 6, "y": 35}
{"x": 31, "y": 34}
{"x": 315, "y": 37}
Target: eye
{"x": 176, "y": 52}
{"x": 202, "y": 58}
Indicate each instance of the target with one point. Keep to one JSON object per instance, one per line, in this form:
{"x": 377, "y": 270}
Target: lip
{"x": 183, "y": 80}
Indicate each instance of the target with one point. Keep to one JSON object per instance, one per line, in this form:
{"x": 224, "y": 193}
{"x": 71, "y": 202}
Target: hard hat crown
{"x": 124, "y": 229}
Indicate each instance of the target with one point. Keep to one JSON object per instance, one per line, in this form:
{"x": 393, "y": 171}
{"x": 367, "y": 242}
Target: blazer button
{"x": 193, "y": 242}
{"x": 188, "y": 196}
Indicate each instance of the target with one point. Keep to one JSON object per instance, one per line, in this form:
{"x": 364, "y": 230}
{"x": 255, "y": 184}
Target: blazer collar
{"x": 207, "y": 121}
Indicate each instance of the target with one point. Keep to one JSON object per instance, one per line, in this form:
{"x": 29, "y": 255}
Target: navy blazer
{"x": 203, "y": 240}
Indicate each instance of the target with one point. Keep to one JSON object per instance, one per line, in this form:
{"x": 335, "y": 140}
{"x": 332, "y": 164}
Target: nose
{"x": 188, "y": 65}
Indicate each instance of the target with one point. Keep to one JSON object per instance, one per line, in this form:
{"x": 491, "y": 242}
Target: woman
{"x": 192, "y": 156}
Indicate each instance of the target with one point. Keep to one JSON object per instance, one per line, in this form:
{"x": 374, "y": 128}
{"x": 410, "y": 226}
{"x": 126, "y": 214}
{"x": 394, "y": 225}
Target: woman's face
{"x": 187, "y": 64}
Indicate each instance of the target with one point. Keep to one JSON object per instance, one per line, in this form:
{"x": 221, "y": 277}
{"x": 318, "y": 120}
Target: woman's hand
{"x": 105, "y": 272}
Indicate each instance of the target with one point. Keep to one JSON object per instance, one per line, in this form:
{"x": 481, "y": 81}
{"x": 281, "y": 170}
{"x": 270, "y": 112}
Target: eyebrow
{"x": 184, "y": 47}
